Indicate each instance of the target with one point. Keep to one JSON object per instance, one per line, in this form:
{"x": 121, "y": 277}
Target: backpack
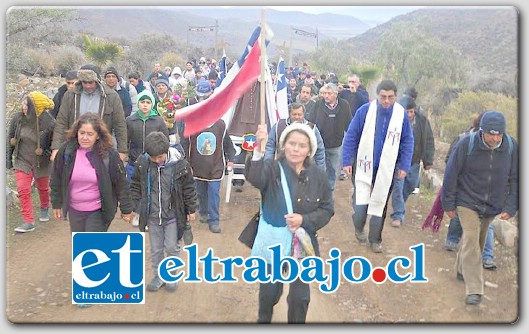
{"x": 472, "y": 140}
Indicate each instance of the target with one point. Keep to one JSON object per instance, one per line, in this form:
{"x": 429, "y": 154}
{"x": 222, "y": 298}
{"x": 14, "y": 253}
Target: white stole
{"x": 376, "y": 198}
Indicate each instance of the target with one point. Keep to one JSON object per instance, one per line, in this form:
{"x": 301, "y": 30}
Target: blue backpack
{"x": 472, "y": 140}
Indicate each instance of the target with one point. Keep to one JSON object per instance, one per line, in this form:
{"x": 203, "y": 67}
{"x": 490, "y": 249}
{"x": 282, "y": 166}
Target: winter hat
{"x": 161, "y": 81}
{"x": 111, "y": 70}
{"x": 41, "y": 102}
{"x": 303, "y": 128}
{"x": 145, "y": 94}
{"x": 177, "y": 70}
{"x": 203, "y": 88}
{"x": 493, "y": 122}
{"x": 87, "y": 75}
{"x": 93, "y": 68}
{"x": 407, "y": 102}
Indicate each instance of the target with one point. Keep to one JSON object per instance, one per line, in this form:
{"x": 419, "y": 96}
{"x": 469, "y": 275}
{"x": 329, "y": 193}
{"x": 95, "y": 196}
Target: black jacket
{"x": 182, "y": 197}
{"x": 309, "y": 191}
{"x": 424, "y": 146}
{"x": 111, "y": 178}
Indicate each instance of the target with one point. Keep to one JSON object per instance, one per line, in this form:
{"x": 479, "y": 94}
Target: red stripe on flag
{"x": 198, "y": 117}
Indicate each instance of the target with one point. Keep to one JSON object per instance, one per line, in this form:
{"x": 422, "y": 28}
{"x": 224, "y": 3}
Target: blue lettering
{"x": 419, "y": 259}
{"x": 348, "y": 269}
{"x": 170, "y": 264}
{"x": 192, "y": 263}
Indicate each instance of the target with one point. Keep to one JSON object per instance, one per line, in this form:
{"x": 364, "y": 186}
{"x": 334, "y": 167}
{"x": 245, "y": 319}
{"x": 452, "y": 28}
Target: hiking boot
{"x": 44, "y": 215}
{"x": 396, "y": 223}
{"x": 171, "y": 287}
{"x": 155, "y": 284}
{"x": 361, "y": 237}
{"x": 376, "y": 248}
{"x": 450, "y": 246}
{"x": 489, "y": 264}
{"x": 459, "y": 277}
{"x": 215, "y": 228}
{"x": 473, "y": 299}
{"x": 25, "y": 227}
{"x": 203, "y": 218}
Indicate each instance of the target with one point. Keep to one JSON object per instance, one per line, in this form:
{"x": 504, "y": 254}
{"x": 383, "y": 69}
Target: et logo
{"x": 108, "y": 268}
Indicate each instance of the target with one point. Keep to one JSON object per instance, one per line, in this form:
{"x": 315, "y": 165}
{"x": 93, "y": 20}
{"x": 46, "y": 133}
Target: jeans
{"x": 332, "y": 164}
{"x": 163, "y": 243}
{"x": 24, "y": 193}
{"x": 130, "y": 171}
{"x": 209, "y": 200}
{"x": 376, "y": 224}
{"x": 453, "y": 236}
{"x": 402, "y": 189}
{"x": 86, "y": 221}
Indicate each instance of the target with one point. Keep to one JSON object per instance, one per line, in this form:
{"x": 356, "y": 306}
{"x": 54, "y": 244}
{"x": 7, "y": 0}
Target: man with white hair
{"x": 332, "y": 116}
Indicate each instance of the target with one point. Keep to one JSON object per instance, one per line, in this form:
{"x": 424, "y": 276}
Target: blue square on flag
{"x": 108, "y": 268}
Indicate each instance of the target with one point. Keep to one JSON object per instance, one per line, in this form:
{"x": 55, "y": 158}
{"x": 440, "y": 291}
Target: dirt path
{"x": 40, "y": 290}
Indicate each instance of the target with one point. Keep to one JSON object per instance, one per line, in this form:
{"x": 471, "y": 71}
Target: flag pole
{"x": 263, "y": 64}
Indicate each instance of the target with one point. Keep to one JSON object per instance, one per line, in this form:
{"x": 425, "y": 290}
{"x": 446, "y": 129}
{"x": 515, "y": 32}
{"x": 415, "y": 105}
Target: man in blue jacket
{"x": 379, "y": 144}
{"x": 480, "y": 182}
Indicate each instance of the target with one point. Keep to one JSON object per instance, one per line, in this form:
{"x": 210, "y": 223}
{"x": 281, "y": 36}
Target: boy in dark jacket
{"x": 162, "y": 183}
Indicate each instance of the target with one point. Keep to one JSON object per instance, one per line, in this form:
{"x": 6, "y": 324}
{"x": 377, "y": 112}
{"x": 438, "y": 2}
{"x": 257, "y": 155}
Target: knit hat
{"x": 303, "y": 128}
{"x": 41, "y": 102}
{"x": 161, "y": 81}
{"x": 145, "y": 94}
{"x": 493, "y": 122}
{"x": 407, "y": 102}
{"x": 111, "y": 70}
{"x": 203, "y": 88}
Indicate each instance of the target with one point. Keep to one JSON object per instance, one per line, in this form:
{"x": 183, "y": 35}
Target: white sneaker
{"x": 415, "y": 191}
{"x": 136, "y": 220}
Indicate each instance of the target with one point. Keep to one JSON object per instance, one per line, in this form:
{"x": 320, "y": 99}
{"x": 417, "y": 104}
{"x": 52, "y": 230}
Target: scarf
{"x": 375, "y": 196}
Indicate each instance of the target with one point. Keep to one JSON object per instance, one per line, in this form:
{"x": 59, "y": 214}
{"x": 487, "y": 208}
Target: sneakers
{"x": 155, "y": 284}
{"x": 416, "y": 191}
{"x": 361, "y": 237}
{"x": 25, "y": 227}
{"x": 489, "y": 264}
{"x": 473, "y": 299}
{"x": 215, "y": 228}
{"x": 136, "y": 220}
{"x": 396, "y": 223}
{"x": 342, "y": 176}
{"x": 171, "y": 287}
{"x": 44, "y": 215}
{"x": 450, "y": 246}
{"x": 376, "y": 248}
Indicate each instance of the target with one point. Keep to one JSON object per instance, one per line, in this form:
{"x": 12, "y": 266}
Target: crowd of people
{"x": 104, "y": 141}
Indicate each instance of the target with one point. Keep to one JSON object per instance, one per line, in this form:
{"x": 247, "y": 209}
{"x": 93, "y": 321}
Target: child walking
{"x": 162, "y": 184}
